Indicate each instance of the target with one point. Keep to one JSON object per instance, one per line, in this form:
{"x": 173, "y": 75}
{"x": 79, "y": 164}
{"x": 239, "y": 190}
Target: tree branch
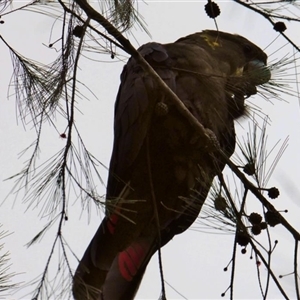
{"x": 268, "y": 17}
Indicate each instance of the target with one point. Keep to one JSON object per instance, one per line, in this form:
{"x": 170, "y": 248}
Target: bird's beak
{"x": 257, "y": 72}
{"x": 249, "y": 76}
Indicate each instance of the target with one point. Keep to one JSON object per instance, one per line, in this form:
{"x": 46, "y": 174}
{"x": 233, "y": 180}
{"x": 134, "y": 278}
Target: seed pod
{"x": 273, "y": 193}
{"x": 212, "y": 9}
{"x": 279, "y": 27}
{"x": 255, "y": 218}
{"x": 249, "y": 169}
{"x": 255, "y": 229}
{"x": 220, "y": 203}
{"x": 161, "y": 109}
{"x": 272, "y": 218}
{"x": 242, "y": 238}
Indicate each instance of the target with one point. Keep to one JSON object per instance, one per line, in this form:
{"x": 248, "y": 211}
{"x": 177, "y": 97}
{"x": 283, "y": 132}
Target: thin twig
{"x": 241, "y": 224}
{"x": 258, "y": 195}
{"x": 154, "y": 203}
{"x": 268, "y": 17}
{"x": 296, "y": 269}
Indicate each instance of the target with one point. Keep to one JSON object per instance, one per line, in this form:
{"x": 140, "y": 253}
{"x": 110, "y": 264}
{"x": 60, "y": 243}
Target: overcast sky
{"x": 194, "y": 261}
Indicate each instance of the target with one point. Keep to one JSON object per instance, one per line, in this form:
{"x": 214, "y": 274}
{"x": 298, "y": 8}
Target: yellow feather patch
{"x": 239, "y": 71}
{"x": 210, "y": 41}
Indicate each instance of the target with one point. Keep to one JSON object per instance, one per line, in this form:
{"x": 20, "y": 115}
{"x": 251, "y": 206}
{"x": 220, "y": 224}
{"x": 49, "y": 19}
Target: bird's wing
{"x": 136, "y": 101}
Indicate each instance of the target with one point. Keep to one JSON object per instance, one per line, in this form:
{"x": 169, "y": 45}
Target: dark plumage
{"x": 158, "y": 160}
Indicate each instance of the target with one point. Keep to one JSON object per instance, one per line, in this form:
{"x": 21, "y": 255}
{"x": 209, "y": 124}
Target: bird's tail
{"x": 124, "y": 277}
{"x": 121, "y": 279}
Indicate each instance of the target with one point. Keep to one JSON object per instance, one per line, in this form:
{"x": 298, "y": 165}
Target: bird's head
{"x": 243, "y": 62}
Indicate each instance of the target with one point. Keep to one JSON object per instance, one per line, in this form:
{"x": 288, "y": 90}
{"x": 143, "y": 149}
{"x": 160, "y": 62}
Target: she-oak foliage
{"x": 36, "y": 100}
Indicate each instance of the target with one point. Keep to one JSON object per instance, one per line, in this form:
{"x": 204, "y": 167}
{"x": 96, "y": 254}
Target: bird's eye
{"x": 247, "y": 49}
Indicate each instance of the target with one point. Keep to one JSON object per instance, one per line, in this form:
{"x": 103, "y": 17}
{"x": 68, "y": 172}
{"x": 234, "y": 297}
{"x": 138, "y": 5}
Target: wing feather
{"x": 136, "y": 100}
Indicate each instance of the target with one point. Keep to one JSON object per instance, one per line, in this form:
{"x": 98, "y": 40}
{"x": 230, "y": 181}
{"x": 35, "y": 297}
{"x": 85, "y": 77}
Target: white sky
{"x": 193, "y": 261}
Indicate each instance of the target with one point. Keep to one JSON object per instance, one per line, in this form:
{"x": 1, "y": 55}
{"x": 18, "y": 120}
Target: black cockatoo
{"x": 161, "y": 170}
